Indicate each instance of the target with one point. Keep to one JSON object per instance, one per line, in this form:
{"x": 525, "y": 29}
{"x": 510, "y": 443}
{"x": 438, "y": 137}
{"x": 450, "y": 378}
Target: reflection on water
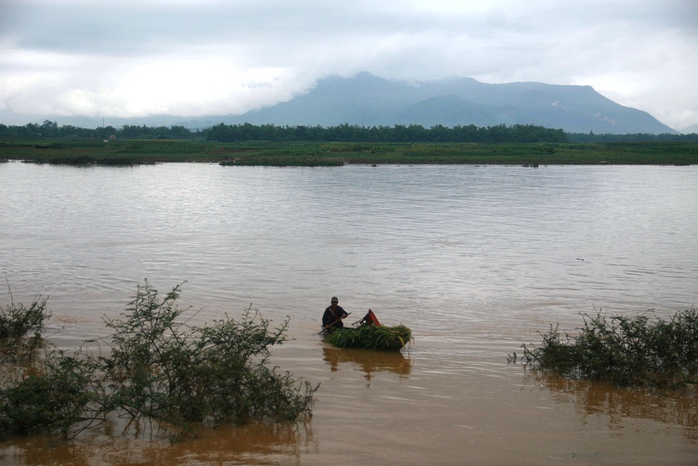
{"x": 257, "y": 444}
{"x": 368, "y": 360}
{"x": 671, "y": 407}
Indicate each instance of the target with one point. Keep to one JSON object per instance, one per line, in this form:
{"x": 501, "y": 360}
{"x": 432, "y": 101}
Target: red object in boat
{"x": 371, "y": 319}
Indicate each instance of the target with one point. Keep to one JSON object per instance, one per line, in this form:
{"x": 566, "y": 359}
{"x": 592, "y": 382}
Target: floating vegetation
{"x": 622, "y": 350}
{"x": 371, "y": 337}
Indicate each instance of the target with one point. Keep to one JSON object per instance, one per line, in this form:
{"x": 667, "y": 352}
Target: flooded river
{"x": 475, "y": 260}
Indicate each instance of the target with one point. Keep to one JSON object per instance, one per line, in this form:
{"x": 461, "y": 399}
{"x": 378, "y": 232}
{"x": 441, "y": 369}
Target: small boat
{"x": 370, "y": 334}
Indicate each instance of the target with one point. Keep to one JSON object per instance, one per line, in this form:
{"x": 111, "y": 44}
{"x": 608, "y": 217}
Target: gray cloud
{"x": 134, "y": 58}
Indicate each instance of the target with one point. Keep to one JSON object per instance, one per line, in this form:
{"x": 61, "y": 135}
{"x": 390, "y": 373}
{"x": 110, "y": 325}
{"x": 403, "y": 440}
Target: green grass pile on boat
{"x": 371, "y": 337}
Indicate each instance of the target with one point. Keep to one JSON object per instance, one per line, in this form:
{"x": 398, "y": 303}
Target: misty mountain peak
{"x": 369, "y": 100}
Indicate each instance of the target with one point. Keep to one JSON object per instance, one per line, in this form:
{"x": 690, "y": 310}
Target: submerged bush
{"x": 164, "y": 370}
{"x": 16, "y": 320}
{"x": 161, "y": 372}
{"x": 624, "y": 351}
{"x": 50, "y": 399}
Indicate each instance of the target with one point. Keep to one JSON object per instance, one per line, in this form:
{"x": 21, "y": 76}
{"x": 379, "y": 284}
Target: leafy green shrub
{"x": 16, "y": 320}
{"x": 51, "y": 399}
{"x": 168, "y": 372}
{"x": 159, "y": 371}
{"x": 624, "y": 351}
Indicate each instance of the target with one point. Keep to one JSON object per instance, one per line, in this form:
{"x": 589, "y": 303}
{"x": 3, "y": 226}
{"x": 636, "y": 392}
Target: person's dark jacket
{"x": 333, "y": 318}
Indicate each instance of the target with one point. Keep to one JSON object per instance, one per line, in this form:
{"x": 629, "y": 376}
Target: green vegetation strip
{"x": 622, "y": 350}
{"x": 133, "y": 152}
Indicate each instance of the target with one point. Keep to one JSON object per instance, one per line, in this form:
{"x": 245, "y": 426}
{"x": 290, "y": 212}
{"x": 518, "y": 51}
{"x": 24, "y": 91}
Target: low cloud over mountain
{"x": 367, "y": 100}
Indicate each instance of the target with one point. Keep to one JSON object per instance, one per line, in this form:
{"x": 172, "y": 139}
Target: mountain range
{"x": 368, "y": 100}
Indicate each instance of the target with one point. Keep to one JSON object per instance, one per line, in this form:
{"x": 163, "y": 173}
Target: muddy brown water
{"x": 475, "y": 260}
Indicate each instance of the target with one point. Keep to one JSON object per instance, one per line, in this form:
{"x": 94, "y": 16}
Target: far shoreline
{"x": 327, "y": 154}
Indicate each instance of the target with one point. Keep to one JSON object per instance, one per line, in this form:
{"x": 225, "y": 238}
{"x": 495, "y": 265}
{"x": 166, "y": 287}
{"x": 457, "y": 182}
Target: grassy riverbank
{"x": 130, "y": 152}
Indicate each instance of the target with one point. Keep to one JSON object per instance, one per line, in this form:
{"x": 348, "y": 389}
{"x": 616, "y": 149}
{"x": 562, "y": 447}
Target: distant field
{"x": 130, "y": 152}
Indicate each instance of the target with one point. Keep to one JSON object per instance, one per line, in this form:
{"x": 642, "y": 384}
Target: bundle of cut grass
{"x": 371, "y": 337}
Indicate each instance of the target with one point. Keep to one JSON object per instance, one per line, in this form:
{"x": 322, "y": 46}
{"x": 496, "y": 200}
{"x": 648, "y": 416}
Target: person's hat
{"x": 334, "y": 299}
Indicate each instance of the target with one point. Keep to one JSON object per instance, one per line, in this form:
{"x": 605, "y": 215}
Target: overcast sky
{"x": 133, "y": 58}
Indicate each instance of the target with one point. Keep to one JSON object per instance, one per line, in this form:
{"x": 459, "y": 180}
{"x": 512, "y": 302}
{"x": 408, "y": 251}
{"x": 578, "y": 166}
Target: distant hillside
{"x": 693, "y": 129}
{"x": 367, "y": 100}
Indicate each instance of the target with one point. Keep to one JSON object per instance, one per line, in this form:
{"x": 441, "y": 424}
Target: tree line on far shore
{"x": 342, "y": 133}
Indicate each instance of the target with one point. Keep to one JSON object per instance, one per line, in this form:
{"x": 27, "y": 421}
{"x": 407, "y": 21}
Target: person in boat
{"x": 332, "y": 318}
